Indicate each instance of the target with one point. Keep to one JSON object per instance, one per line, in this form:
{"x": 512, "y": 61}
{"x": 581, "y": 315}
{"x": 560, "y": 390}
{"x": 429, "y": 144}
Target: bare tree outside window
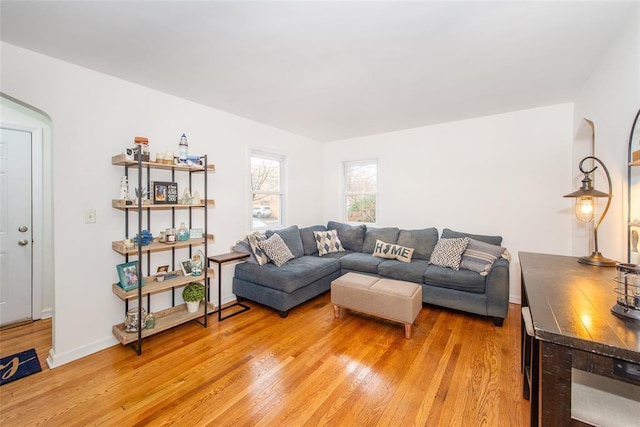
{"x": 361, "y": 188}
{"x": 266, "y": 190}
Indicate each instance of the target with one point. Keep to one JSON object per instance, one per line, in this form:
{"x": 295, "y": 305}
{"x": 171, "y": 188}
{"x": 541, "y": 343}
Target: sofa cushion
{"x": 261, "y": 257}
{"x": 492, "y": 240}
{"x": 291, "y": 237}
{"x": 338, "y": 255}
{"x": 295, "y": 274}
{"x": 351, "y": 236}
{"x": 328, "y": 242}
{"x": 422, "y": 241}
{"x": 410, "y": 272}
{"x": 309, "y": 244}
{"x": 462, "y": 280}
{"x": 386, "y": 234}
{"x": 448, "y": 252}
{"x": 357, "y": 261}
{"x": 391, "y": 251}
{"x": 276, "y": 249}
{"x": 480, "y": 256}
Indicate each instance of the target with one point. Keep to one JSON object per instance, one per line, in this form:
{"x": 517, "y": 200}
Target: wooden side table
{"x": 223, "y": 259}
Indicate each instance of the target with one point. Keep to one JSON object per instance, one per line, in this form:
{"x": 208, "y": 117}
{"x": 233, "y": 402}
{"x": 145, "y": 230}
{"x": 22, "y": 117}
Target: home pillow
{"x": 276, "y": 249}
{"x": 328, "y": 242}
{"x": 479, "y": 256}
{"x": 253, "y": 239}
{"x": 391, "y": 251}
{"x": 448, "y": 252}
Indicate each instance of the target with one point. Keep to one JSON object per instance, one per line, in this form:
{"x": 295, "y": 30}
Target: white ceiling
{"x": 332, "y": 70}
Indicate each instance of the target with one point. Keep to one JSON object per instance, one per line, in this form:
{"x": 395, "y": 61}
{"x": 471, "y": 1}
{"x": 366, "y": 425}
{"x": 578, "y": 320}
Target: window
{"x": 267, "y": 190}
{"x": 361, "y": 188}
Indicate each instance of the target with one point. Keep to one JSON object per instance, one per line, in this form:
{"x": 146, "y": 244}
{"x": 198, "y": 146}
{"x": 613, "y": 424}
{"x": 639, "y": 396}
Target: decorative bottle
{"x": 183, "y": 233}
{"x": 184, "y": 147}
{"x": 124, "y": 188}
{"x": 150, "y": 321}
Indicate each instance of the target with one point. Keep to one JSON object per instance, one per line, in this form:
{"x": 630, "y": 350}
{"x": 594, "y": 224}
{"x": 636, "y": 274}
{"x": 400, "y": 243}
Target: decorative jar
{"x": 131, "y": 321}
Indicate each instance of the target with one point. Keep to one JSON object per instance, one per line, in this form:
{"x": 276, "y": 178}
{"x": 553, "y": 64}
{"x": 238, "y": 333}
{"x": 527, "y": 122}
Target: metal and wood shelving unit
{"x": 633, "y": 183}
{"x": 177, "y": 314}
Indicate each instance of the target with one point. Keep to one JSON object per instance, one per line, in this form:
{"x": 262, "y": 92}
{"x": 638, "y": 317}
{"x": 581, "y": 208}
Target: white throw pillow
{"x": 391, "y": 251}
{"x": 448, "y": 252}
{"x": 328, "y": 242}
{"x": 276, "y": 249}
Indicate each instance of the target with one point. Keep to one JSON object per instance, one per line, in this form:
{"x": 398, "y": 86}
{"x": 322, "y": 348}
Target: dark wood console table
{"x": 570, "y": 306}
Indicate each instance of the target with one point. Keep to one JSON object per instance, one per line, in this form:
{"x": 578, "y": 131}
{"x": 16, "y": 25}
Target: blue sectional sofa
{"x": 308, "y": 275}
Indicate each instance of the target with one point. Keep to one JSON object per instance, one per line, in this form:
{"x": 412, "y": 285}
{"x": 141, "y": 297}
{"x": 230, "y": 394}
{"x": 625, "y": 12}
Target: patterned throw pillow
{"x": 276, "y": 249}
{"x": 391, "y": 251}
{"x": 480, "y": 256}
{"x": 328, "y": 242}
{"x": 253, "y": 239}
{"x": 448, "y": 252}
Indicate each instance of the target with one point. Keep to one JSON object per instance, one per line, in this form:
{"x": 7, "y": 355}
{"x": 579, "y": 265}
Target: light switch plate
{"x": 89, "y": 217}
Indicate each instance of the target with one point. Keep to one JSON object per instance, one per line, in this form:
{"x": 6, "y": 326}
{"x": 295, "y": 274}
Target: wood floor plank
{"x": 257, "y": 369}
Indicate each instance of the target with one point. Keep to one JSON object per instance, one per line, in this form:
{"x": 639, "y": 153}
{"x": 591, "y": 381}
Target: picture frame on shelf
{"x": 196, "y": 233}
{"x": 163, "y": 269}
{"x": 129, "y": 275}
{"x": 164, "y": 192}
{"x": 187, "y": 267}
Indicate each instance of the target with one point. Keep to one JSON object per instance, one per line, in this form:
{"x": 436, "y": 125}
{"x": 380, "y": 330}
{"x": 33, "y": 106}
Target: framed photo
{"x": 195, "y": 233}
{"x": 187, "y": 267}
{"x": 163, "y": 269}
{"x": 129, "y": 274}
{"x": 164, "y": 192}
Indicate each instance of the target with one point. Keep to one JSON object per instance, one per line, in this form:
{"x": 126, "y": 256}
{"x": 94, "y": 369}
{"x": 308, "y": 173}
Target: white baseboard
{"x": 515, "y": 299}
{"x": 58, "y": 359}
{"x": 47, "y": 313}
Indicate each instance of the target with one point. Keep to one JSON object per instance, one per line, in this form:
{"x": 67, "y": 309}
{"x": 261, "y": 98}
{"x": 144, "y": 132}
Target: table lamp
{"x": 586, "y": 210}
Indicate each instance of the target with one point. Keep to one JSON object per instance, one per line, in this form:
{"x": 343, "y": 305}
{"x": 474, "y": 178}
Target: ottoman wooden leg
{"x": 336, "y": 311}
{"x": 407, "y": 330}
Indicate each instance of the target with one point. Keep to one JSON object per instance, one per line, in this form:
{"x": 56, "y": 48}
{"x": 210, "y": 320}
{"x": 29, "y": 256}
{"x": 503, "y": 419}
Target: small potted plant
{"x": 192, "y": 294}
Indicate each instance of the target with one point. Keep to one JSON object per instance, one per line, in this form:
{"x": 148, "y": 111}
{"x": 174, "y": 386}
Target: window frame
{"x": 346, "y": 193}
{"x": 281, "y": 192}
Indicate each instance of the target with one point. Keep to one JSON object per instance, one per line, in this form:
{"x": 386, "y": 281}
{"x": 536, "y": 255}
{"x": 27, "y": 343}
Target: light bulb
{"x": 585, "y": 208}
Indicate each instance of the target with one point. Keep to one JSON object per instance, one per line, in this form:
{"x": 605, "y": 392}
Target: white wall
{"x": 499, "y": 175}
{"x": 95, "y": 116}
{"x": 611, "y": 98}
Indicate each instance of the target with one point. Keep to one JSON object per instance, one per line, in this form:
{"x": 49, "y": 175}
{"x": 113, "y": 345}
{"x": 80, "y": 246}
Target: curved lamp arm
{"x": 610, "y": 193}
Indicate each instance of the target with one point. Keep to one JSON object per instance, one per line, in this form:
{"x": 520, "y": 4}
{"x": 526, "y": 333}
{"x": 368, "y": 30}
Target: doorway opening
{"x": 34, "y": 234}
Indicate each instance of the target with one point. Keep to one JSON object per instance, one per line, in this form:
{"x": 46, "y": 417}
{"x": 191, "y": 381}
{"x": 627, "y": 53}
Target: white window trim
{"x": 345, "y": 193}
{"x": 268, "y": 155}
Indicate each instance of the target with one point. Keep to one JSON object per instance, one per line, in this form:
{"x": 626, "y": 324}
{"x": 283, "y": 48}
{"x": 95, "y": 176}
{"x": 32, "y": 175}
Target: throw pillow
{"x": 253, "y": 239}
{"x": 391, "y": 251}
{"x": 480, "y": 256}
{"x": 276, "y": 249}
{"x": 448, "y": 252}
{"x": 328, "y": 242}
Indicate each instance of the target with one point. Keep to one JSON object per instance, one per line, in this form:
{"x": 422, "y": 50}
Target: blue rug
{"x": 18, "y": 366}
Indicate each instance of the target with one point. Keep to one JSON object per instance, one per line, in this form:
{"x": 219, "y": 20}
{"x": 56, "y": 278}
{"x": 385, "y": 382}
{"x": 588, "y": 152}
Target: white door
{"x": 15, "y": 227}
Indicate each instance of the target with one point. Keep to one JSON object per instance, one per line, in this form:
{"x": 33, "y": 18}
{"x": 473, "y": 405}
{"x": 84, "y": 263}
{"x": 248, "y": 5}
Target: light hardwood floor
{"x": 258, "y": 369}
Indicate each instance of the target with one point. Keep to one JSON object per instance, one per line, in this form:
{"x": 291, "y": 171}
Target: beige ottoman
{"x": 394, "y": 300}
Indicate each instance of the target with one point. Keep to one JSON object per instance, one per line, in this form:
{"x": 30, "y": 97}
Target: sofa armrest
{"x": 497, "y": 288}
